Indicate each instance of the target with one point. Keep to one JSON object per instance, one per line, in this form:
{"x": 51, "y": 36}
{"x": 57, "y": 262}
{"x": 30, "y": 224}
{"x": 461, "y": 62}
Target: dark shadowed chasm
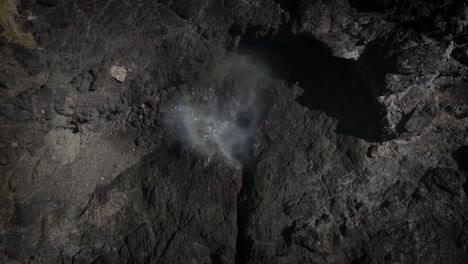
{"x": 332, "y": 85}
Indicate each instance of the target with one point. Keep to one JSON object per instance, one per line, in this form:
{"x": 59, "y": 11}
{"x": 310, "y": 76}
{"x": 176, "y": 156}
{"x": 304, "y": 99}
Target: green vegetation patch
{"x": 7, "y": 23}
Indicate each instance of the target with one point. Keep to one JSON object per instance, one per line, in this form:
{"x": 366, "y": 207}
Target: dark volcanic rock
{"x": 234, "y": 132}
{"x": 181, "y": 211}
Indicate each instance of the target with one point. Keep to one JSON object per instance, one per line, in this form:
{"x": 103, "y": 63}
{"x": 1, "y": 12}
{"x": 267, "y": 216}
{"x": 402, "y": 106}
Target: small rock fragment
{"x": 153, "y": 102}
{"x": 139, "y": 141}
{"x": 68, "y": 106}
{"x": 119, "y": 73}
{"x": 373, "y": 151}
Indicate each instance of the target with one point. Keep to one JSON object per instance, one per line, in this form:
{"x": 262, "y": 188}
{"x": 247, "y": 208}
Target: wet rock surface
{"x": 235, "y": 132}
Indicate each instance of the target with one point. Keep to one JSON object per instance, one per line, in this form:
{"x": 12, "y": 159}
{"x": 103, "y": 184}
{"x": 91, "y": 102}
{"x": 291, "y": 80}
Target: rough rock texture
{"x": 235, "y": 132}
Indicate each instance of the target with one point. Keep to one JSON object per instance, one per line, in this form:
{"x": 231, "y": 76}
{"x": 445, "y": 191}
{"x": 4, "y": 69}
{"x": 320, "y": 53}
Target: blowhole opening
{"x": 244, "y": 120}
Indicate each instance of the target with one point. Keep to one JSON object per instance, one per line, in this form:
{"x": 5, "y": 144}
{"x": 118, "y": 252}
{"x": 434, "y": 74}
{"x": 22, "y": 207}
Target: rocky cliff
{"x": 234, "y": 131}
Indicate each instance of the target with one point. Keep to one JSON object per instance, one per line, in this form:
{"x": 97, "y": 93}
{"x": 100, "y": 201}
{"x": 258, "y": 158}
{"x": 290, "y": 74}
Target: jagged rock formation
{"x": 234, "y": 132}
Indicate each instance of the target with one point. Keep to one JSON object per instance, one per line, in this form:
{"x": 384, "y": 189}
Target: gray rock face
{"x": 234, "y": 132}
